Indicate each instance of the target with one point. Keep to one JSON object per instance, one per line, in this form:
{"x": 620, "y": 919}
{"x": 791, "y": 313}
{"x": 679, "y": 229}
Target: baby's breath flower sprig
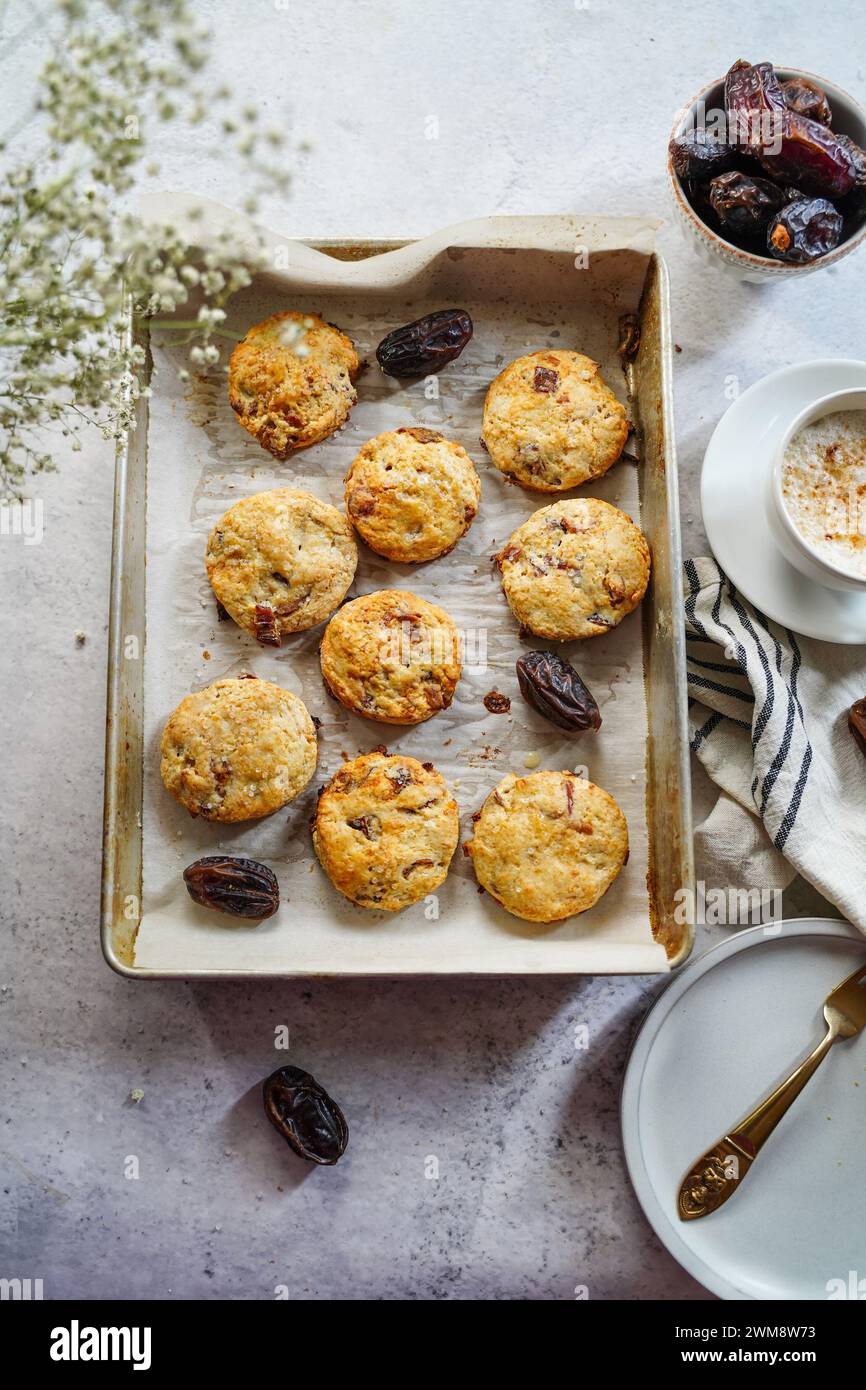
{"x": 74, "y": 258}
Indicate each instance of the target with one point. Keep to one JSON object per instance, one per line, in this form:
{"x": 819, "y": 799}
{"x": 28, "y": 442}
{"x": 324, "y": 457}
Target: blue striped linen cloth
{"x": 768, "y": 716}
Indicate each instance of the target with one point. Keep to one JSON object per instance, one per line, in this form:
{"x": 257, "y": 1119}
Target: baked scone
{"x": 548, "y": 845}
{"x": 391, "y": 656}
{"x": 551, "y": 422}
{"x": 280, "y": 562}
{"x": 412, "y": 494}
{"x": 574, "y": 569}
{"x": 238, "y": 749}
{"x": 291, "y": 381}
{"x": 385, "y": 830}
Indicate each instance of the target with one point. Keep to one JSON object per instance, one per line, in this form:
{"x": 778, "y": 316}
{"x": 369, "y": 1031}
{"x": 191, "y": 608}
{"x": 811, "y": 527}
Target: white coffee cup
{"x": 801, "y": 554}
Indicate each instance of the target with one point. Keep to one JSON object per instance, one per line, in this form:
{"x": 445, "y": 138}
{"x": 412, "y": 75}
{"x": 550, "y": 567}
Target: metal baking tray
{"x": 670, "y": 876}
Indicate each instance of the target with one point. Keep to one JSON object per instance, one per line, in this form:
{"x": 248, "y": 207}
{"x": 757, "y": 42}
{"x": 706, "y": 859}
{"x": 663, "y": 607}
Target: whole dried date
{"x": 791, "y": 148}
{"x": 853, "y": 205}
{"x": 808, "y": 154}
{"x": 241, "y": 887}
{"x": 699, "y": 155}
{"x": 857, "y": 156}
{"x": 743, "y": 204}
{"x": 807, "y": 99}
{"x": 551, "y": 686}
{"x": 804, "y": 231}
{"x": 426, "y": 345}
{"x": 305, "y": 1115}
{"x": 857, "y": 724}
{"x": 753, "y": 102}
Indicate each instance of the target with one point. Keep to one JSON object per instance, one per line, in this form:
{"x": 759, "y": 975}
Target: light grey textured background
{"x": 541, "y": 107}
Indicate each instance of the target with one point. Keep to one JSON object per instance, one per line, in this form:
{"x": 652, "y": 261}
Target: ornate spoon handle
{"x": 717, "y": 1174}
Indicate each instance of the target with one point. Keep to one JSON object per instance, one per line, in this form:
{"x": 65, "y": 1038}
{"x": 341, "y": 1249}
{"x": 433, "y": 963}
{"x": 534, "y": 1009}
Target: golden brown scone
{"x": 412, "y": 494}
{"x": 551, "y": 422}
{"x": 574, "y": 569}
{"x": 291, "y": 381}
{"x": 548, "y": 845}
{"x": 385, "y": 830}
{"x": 280, "y": 562}
{"x": 391, "y": 656}
{"x": 238, "y": 749}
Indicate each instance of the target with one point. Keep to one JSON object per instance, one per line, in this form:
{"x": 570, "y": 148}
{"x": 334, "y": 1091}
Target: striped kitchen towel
{"x": 768, "y": 719}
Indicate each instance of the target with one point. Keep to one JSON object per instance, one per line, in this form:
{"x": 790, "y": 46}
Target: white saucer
{"x": 731, "y": 1025}
{"x": 733, "y": 481}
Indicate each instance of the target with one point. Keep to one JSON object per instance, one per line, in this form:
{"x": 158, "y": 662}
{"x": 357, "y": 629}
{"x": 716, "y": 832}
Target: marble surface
{"x": 485, "y": 1157}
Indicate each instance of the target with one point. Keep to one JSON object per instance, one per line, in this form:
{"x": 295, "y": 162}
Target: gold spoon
{"x": 717, "y": 1174}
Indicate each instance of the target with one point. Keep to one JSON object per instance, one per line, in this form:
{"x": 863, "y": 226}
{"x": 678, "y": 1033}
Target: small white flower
{"x": 75, "y": 258}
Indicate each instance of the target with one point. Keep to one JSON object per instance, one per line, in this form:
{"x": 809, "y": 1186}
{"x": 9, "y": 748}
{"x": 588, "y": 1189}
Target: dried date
{"x": 857, "y": 724}
{"x": 496, "y": 703}
{"x": 807, "y": 99}
{"x": 744, "y": 205}
{"x": 241, "y": 887}
{"x": 426, "y": 345}
{"x": 804, "y": 231}
{"x": 305, "y": 1115}
{"x": 370, "y": 826}
{"x": 545, "y": 381}
{"x": 699, "y": 155}
{"x": 266, "y": 627}
{"x": 857, "y": 156}
{"x": 399, "y": 778}
{"x": 754, "y": 102}
{"x": 552, "y": 687}
{"x": 853, "y": 205}
{"x": 791, "y": 148}
{"x": 808, "y": 154}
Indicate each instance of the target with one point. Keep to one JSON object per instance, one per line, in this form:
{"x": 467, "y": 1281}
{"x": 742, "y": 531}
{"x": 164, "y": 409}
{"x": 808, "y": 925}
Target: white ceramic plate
{"x": 733, "y": 484}
{"x": 727, "y": 1030}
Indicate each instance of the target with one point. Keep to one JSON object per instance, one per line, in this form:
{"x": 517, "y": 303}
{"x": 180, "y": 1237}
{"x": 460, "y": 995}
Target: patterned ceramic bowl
{"x": 849, "y": 118}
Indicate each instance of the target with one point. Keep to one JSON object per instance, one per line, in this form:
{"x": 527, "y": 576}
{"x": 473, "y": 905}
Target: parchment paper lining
{"x": 200, "y": 461}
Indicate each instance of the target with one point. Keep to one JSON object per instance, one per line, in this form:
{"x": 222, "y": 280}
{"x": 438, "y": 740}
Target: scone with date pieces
{"x": 548, "y": 845}
{"x": 280, "y": 562}
{"x": 574, "y": 569}
{"x": 412, "y": 494}
{"x": 291, "y": 381}
{"x": 551, "y": 422}
{"x": 238, "y": 749}
{"x": 391, "y": 656}
{"x": 385, "y": 830}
